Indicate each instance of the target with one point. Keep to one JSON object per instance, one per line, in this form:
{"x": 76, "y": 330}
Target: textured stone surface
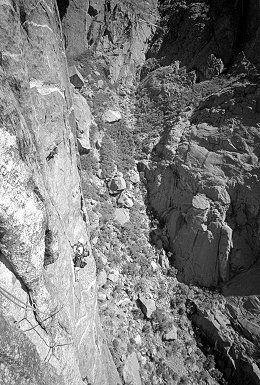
{"x": 199, "y": 29}
{"x": 125, "y": 200}
{"x": 42, "y": 208}
{"x": 199, "y": 193}
{"x": 75, "y": 77}
{"x": 103, "y": 29}
{"x": 19, "y": 361}
{"x": 134, "y": 176}
{"x": 234, "y": 331}
{"x": 117, "y": 184}
{"x": 121, "y": 216}
{"x": 147, "y": 305}
{"x": 131, "y": 369}
{"x": 111, "y": 116}
{"x": 83, "y": 119}
{"x": 171, "y": 335}
{"x": 201, "y": 164}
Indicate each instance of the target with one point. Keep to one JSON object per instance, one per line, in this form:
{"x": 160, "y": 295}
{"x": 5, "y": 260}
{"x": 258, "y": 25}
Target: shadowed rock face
{"x": 200, "y": 158}
{"x": 207, "y": 190}
{"x": 41, "y": 206}
{"x": 191, "y": 31}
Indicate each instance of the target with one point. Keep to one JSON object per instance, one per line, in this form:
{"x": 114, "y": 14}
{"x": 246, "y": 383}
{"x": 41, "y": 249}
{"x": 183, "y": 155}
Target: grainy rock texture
{"x": 198, "y": 120}
{"x": 42, "y": 209}
{"x": 116, "y": 31}
{"x": 83, "y": 119}
{"x": 20, "y": 362}
{"x": 203, "y": 173}
{"x": 149, "y": 171}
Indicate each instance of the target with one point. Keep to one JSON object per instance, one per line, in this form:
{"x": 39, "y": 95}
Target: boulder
{"x": 134, "y": 176}
{"x": 138, "y": 339}
{"x": 125, "y": 200}
{"x": 75, "y": 77}
{"x": 117, "y": 184}
{"x": 154, "y": 265}
{"x": 147, "y": 306}
{"x": 171, "y": 335}
{"x": 100, "y": 83}
{"x": 113, "y": 276}
{"x": 102, "y": 278}
{"x": 83, "y": 119}
{"x": 122, "y": 216}
{"x": 131, "y": 370}
{"x": 163, "y": 260}
{"x": 111, "y": 116}
{"x": 102, "y": 297}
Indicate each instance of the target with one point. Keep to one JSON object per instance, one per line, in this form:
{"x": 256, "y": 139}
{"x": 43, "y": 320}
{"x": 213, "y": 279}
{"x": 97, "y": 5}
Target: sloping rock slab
{"x": 20, "y": 362}
{"x": 131, "y": 370}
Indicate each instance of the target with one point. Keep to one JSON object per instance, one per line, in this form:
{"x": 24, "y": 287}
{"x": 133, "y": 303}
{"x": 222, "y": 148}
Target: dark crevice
{"x": 48, "y": 254}
{"x": 62, "y": 7}
{"x": 51, "y": 155}
{"x": 108, "y": 6}
{"x": 92, "y": 11}
{"x": 22, "y": 15}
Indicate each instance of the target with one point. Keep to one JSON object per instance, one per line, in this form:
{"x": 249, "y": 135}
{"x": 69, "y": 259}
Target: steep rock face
{"x": 196, "y": 142}
{"x": 192, "y": 31}
{"x": 116, "y": 32}
{"x": 42, "y": 208}
{"x": 207, "y": 192}
{"x": 233, "y": 329}
{"x": 198, "y": 136}
{"x": 203, "y": 169}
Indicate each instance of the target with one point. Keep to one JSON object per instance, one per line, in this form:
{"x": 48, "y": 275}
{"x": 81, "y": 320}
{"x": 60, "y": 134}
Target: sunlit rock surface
{"x": 42, "y": 209}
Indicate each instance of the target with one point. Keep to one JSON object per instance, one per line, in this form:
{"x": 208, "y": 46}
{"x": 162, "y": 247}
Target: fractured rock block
{"x": 171, "y": 335}
{"x": 83, "y": 119}
{"x": 131, "y": 370}
{"x": 111, "y": 116}
{"x": 117, "y": 184}
{"x": 75, "y": 77}
{"x": 125, "y": 200}
{"x": 147, "y": 306}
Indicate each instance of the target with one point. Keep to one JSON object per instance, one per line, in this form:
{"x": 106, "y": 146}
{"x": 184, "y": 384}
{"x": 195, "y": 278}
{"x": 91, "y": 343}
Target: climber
{"x": 80, "y": 259}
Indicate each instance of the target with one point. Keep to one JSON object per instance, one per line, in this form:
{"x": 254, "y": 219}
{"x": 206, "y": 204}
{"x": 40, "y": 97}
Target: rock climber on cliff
{"x": 80, "y": 259}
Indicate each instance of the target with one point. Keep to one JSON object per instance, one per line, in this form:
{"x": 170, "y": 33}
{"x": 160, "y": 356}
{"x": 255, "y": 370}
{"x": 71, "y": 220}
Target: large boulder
{"x": 117, "y": 184}
{"x": 134, "y": 176}
{"x": 131, "y": 370}
{"x": 147, "y": 306}
{"x": 125, "y": 199}
{"x": 171, "y": 335}
{"x": 111, "y": 116}
{"x": 83, "y": 119}
{"x": 121, "y": 216}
